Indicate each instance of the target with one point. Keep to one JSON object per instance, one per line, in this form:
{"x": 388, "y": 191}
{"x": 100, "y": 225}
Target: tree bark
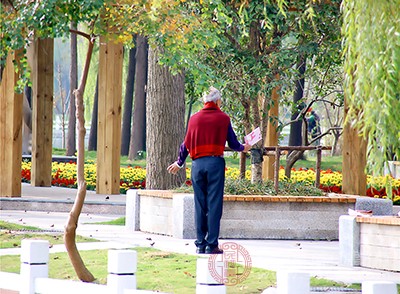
{"x": 295, "y": 135}
{"x": 138, "y": 132}
{"x": 165, "y": 124}
{"x": 92, "y": 144}
{"x": 70, "y": 228}
{"x": 128, "y": 102}
{"x": 73, "y": 84}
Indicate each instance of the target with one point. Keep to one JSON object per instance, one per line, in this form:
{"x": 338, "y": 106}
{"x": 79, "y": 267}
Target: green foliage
{"x": 245, "y": 187}
{"x": 371, "y": 31}
{"x": 22, "y": 21}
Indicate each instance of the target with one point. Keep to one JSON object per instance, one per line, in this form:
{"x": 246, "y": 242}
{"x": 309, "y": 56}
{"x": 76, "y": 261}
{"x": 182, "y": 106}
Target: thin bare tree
{"x": 70, "y": 228}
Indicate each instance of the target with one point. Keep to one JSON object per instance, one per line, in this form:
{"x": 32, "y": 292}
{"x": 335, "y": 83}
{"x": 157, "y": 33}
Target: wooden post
{"x": 272, "y": 135}
{"x": 318, "y": 167}
{"x": 276, "y": 170}
{"x": 109, "y": 118}
{"x": 10, "y": 130}
{"x": 354, "y": 161}
{"x": 242, "y": 174}
{"x": 40, "y": 55}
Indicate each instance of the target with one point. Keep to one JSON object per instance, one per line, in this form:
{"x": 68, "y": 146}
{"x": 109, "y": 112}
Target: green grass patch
{"x": 328, "y": 162}
{"x": 117, "y": 222}
{"x": 157, "y": 271}
{"x": 11, "y": 235}
{"x": 11, "y": 226}
{"x": 12, "y": 239}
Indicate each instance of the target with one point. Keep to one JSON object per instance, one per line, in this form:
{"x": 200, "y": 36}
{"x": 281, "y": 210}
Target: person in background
{"x": 208, "y": 131}
{"x": 313, "y": 126}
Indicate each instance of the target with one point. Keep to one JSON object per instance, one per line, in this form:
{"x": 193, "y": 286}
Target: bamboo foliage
{"x": 371, "y": 43}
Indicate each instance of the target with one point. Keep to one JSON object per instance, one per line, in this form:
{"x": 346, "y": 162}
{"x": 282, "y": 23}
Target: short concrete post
{"x": 292, "y": 282}
{"x": 378, "y": 287}
{"x": 122, "y": 265}
{"x": 34, "y": 263}
{"x": 209, "y": 277}
{"x": 183, "y": 218}
{"x": 132, "y": 210}
{"x": 349, "y": 241}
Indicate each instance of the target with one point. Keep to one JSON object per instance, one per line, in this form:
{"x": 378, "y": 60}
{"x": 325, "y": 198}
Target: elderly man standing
{"x": 207, "y": 133}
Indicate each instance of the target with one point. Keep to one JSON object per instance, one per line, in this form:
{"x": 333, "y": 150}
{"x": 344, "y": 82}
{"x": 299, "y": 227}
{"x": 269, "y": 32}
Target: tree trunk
{"x": 247, "y": 129}
{"x": 128, "y": 101}
{"x": 165, "y": 124}
{"x": 295, "y": 135}
{"x": 73, "y": 84}
{"x": 138, "y": 132}
{"x": 92, "y": 144}
{"x": 72, "y": 223}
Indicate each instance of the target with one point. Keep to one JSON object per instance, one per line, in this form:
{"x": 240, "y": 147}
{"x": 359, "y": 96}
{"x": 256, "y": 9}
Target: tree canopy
{"x": 371, "y": 32}
{"x": 240, "y": 45}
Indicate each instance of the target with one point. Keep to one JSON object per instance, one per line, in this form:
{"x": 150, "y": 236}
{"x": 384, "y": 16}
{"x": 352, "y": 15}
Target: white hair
{"x": 212, "y": 96}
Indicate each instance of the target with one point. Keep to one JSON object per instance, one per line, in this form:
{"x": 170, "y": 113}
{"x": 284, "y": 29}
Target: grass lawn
{"x": 156, "y": 270}
{"x": 11, "y": 235}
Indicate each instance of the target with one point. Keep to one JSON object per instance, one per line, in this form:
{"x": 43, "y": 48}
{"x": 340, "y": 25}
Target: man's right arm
{"x": 177, "y": 165}
{"x": 183, "y": 153}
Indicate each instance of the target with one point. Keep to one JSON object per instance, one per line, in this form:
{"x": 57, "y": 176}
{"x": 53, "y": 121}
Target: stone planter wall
{"x": 244, "y": 217}
{"x": 380, "y": 242}
{"x": 298, "y": 218}
{"x": 372, "y": 242}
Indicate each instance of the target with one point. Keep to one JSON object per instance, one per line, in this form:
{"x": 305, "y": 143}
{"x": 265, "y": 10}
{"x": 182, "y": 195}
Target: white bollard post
{"x": 293, "y": 282}
{"x": 122, "y": 265}
{"x": 132, "y": 210}
{"x": 378, "y": 287}
{"x": 34, "y": 263}
{"x": 210, "y": 277}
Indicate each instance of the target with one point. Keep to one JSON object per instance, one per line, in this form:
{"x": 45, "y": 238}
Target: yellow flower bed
{"x": 64, "y": 174}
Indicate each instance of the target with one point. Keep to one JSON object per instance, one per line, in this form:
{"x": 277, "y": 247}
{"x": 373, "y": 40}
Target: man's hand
{"x": 173, "y": 168}
{"x": 247, "y": 147}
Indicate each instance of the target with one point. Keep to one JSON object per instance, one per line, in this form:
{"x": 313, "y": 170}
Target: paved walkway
{"x": 318, "y": 258}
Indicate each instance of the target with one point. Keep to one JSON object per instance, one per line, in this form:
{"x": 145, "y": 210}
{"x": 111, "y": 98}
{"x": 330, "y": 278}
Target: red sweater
{"x": 207, "y": 132}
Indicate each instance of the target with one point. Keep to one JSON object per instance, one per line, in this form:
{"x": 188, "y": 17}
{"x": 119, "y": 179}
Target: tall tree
{"x": 165, "y": 123}
{"x": 128, "y": 102}
{"x": 295, "y": 136}
{"x": 138, "y": 132}
{"x": 73, "y": 84}
{"x": 92, "y": 144}
{"x": 372, "y": 75}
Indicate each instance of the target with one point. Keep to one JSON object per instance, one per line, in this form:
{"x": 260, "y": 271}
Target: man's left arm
{"x": 233, "y": 142}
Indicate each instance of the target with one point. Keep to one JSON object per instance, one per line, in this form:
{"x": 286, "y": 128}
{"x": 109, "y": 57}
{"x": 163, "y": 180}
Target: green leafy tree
{"x": 256, "y": 40}
{"x": 164, "y": 21}
{"x": 371, "y": 32}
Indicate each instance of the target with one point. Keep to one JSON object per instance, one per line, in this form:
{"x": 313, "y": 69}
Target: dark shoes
{"x": 209, "y": 250}
{"x": 213, "y": 250}
{"x": 201, "y": 250}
